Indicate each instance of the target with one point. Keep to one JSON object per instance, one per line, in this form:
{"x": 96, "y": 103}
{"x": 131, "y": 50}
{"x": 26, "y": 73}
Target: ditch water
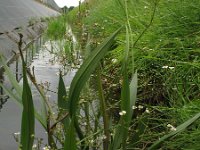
{"x": 46, "y": 68}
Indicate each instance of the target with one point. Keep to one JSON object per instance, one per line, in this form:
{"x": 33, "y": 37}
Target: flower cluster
{"x": 166, "y": 67}
{"x": 123, "y": 112}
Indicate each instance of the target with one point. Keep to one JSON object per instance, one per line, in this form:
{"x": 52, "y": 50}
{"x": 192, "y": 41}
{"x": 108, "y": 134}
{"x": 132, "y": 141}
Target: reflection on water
{"x": 16, "y": 67}
{"x": 46, "y": 68}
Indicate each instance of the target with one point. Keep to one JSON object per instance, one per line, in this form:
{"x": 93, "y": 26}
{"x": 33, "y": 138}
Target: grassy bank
{"x": 166, "y": 58}
{"x": 138, "y": 83}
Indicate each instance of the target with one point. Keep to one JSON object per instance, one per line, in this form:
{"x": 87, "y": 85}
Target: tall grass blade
{"x": 28, "y": 119}
{"x": 63, "y": 106}
{"x": 122, "y": 129}
{"x": 179, "y": 129}
{"x": 83, "y": 75}
{"x": 85, "y": 71}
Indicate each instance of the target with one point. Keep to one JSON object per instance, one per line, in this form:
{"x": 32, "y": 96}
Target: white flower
{"x": 172, "y": 128}
{"x": 174, "y": 88}
{"x": 34, "y": 146}
{"x": 122, "y": 113}
{"x": 169, "y": 125}
{"x": 114, "y": 61}
{"x": 165, "y": 67}
{"x": 91, "y": 141}
{"x": 46, "y": 148}
{"x": 147, "y": 111}
{"x": 171, "y": 67}
{"x": 140, "y": 107}
{"x": 114, "y": 84}
{"x": 104, "y": 137}
{"x": 134, "y": 107}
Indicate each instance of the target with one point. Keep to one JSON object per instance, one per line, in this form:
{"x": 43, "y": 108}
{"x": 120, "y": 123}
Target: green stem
{"x": 103, "y": 109}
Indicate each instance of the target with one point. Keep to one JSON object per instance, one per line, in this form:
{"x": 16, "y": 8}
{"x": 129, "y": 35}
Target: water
{"x": 46, "y": 68}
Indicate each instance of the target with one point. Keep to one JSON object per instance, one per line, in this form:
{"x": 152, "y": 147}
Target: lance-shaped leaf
{"x": 28, "y": 119}
{"x": 63, "y": 106}
{"x": 128, "y": 98}
{"x": 85, "y": 71}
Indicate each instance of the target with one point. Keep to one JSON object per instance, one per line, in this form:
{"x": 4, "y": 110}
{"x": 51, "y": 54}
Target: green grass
{"x": 137, "y": 89}
{"x": 172, "y": 40}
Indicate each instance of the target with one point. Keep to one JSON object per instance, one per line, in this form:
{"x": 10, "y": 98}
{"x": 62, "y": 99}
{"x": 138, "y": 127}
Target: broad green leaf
{"x": 83, "y": 75}
{"x": 63, "y": 104}
{"x": 85, "y": 71}
{"x": 123, "y": 125}
{"x": 28, "y": 119}
{"x": 179, "y": 129}
{"x": 70, "y": 140}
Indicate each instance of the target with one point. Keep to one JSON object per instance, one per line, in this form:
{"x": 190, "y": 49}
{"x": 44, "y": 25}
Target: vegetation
{"x": 138, "y": 85}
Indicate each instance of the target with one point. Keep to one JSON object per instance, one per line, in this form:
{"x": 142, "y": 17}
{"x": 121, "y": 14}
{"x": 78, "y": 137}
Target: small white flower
{"x": 140, "y": 107}
{"x": 104, "y": 137}
{"x": 171, "y": 68}
{"x": 174, "y": 88}
{"x": 145, "y": 7}
{"x": 114, "y": 61}
{"x": 122, "y": 113}
{"x": 85, "y": 124}
{"x": 34, "y": 146}
{"x": 46, "y": 148}
{"x": 172, "y": 128}
{"x": 169, "y": 125}
{"x": 91, "y": 141}
{"x": 165, "y": 67}
{"x": 134, "y": 107}
{"x": 147, "y": 111}
{"x": 114, "y": 84}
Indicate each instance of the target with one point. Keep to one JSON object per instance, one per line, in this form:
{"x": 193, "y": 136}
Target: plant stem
{"x": 103, "y": 109}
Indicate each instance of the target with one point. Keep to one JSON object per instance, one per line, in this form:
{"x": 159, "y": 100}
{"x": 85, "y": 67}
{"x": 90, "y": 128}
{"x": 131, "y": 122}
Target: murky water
{"x": 46, "y": 68}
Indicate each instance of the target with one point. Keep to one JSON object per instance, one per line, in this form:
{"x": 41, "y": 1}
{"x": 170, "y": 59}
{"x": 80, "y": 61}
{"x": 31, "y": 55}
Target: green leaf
{"x": 179, "y": 129}
{"x": 70, "y": 140}
{"x": 133, "y": 91}
{"x": 85, "y": 71}
{"x": 28, "y": 119}
{"x": 123, "y": 125}
{"x": 62, "y": 102}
